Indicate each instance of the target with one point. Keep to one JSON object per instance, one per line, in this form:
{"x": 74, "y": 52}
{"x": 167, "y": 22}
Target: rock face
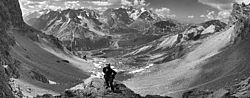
{"x": 11, "y": 19}
{"x": 241, "y": 89}
{"x": 85, "y": 29}
{"x": 10, "y": 16}
{"x": 8, "y": 65}
{"x": 240, "y": 17}
{"x": 196, "y": 32}
{"x": 77, "y": 29}
{"x": 39, "y": 77}
{"x": 95, "y": 88}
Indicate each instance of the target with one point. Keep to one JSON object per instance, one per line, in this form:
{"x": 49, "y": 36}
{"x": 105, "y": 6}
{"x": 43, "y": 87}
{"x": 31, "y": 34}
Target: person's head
{"x": 108, "y": 65}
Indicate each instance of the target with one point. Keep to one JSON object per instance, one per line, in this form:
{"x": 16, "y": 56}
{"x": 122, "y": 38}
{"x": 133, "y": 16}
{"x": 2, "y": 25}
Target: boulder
{"x": 221, "y": 93}
{"x": 95, "y": 88}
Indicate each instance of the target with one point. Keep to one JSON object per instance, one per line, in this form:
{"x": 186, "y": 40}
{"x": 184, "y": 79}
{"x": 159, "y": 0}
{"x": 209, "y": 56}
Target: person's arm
{"x": 104, "y": 70}
{"x": 114, "y": 73}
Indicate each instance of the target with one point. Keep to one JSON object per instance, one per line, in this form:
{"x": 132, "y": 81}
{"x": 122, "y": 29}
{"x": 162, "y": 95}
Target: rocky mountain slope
{"x": 136, "y": 34}
{"x": 86, "y": 29}
{"x": 93, "y": 88}
{"x": 24, "y": 63}
{"x": 77, "y": 29}
{"x": 9, "y": 65}
{"x": 33, "y": 63}
{"x": 200, "y": 60}
{"x": 212, "y": 61}
{"x": 236, "y": 83}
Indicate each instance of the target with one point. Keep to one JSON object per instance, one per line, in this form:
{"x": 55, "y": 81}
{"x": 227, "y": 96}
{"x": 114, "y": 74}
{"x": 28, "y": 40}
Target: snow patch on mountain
{"x": 98, "y": 65}
{"x": 141, "y": 69}
{"x": 135, "y": 15}
{"x": 91, "y": 27}
{"x": 140, "y": 50}
{"x": 5, "y": 66}
{"x": 52, "y": 82}
{"x": 51, "y": 21}
{"x": 156, "y": 56}
{"x": 28, "y": 90}
{"x": 210, "y": 29}
{"x": 80, "y": 16}
{"x": 168, "y": 42}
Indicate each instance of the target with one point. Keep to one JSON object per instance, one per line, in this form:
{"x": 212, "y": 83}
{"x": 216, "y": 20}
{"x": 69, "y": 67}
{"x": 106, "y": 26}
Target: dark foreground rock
{"x": 95, "y": 88}
{"x": 239, "y": 90}
{"x": 10, "y": 16}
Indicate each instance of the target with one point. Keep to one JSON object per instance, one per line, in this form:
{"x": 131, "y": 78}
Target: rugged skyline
{"x": 183, "y": 10}
{"x": 58, "y": 54}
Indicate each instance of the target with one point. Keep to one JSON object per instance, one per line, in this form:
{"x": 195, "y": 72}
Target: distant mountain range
{"x": 151, "y": 55}
{"x": 138, "y": 30}
{"x": 85, "y": 29}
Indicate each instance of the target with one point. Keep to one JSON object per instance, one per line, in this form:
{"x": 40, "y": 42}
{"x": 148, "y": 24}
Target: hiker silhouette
{"x": 85, "y": 57}
{"x": 109, "y": 75}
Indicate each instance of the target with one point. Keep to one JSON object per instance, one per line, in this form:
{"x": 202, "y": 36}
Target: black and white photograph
{"x": 124, "y": 48}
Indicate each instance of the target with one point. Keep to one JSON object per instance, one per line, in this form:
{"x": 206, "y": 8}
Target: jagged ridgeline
{"x": 24, "y": 62}
{"x": 37, "y": 61}
{"x": 85, "y": 29}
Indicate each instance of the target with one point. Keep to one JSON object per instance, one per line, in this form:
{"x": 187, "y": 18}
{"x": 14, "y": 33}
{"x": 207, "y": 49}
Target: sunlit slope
{"x": 56, "y": 66}
{"x": 197, "y": 68}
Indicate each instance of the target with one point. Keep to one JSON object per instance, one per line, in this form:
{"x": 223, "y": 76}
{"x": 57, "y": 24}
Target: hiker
{"x": 85, "y": 57}
{"x": 109, "y": 75}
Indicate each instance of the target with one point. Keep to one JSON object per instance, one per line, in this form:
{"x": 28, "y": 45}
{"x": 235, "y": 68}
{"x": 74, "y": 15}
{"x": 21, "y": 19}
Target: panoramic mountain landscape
{"x": 58, "y": 51}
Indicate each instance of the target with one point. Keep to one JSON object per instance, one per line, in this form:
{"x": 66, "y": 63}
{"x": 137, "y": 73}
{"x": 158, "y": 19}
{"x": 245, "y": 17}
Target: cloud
{"x": 224, "y": 8}
{"x": 126, "y": 2}
{"x": 202, "y": 16}
{"x": 164, "y": 12}
{"x": 29, "y": 6}
{"x": 241, "y": 1}
{"x": 222, "y": 4}
{"x": 53, "y": 7}
{"x": 221, "y": 15}
{"x": 211, "y": 15}
{"x": 99, "y": 3}
{"x": 140, "y": 2}
{"x": 224, "y": 15}
{"x": 134, "y": 2}
{"x": 191, "y": 16}
{"x": 101, "y": 9}
{"x": 72, "y": 4}
{"x": 218, "y": 4}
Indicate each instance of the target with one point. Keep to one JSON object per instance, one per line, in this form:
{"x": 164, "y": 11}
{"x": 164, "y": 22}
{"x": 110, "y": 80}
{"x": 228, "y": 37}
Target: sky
{"x": 194, "y": 11}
